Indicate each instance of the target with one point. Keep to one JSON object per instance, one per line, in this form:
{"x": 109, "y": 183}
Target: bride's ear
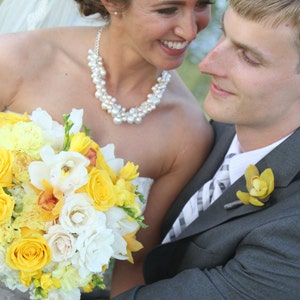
{"x": 112, "y": 7}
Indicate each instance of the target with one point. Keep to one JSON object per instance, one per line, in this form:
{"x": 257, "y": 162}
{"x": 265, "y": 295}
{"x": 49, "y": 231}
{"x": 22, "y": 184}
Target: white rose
{"x": 62, "y": 243}
{"x": 94, "y": 251}
{"x": 78, "y": 214}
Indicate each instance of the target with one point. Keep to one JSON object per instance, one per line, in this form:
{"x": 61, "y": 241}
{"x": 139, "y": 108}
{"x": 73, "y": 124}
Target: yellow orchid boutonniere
{"x": 259, "y": 186}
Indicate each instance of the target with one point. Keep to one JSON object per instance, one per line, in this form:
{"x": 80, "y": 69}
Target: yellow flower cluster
{"x": 31, "y": 206}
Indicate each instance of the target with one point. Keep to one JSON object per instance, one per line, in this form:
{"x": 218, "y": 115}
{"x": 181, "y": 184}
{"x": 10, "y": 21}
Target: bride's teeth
{"x": 175, "y": 45}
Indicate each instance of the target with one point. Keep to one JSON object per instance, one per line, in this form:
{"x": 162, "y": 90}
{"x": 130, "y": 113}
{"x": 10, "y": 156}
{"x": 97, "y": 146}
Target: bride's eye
{"x": 203, "y": 4}
{"x": 167, "y": 11}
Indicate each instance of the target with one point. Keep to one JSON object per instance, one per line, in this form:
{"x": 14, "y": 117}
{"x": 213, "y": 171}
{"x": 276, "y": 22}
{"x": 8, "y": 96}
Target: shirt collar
{"x": 239, "y": 163}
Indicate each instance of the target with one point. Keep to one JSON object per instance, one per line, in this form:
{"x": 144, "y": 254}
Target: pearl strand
{"x": 108, "y": 103}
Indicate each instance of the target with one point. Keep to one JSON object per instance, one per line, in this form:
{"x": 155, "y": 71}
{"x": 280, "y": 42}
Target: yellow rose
{"x": 6, "y": 159}
{"x": 129, "y": 171}
{"x": 6, "y": 207}
{"x": 12, "y": 118}
{"x": 29, "y": 254}
{"x": 101, "y": 189}
{"x": 259, "y": 186}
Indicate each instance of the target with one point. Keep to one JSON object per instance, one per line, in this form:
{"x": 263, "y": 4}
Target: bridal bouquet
{"x": 67, "y": 206}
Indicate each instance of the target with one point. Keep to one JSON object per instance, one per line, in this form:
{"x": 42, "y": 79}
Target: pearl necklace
{"x": 108, "y": 103}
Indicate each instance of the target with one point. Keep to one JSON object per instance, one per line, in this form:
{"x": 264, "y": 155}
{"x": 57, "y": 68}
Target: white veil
{"x": 22, "y": 15}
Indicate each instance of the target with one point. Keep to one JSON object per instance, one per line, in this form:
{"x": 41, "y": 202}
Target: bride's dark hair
{"x": 89, "y": 7}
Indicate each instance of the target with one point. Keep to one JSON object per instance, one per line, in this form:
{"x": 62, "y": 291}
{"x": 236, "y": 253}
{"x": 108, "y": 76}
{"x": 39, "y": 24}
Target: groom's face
{"x": 255, "y": 78}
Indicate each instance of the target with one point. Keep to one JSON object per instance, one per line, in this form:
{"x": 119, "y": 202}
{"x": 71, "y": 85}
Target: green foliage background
{"x": 199, "y": 83}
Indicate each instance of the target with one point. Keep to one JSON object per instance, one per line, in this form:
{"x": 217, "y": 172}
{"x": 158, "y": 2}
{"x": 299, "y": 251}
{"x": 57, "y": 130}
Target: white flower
{"x": 94, "y": 251}
{"x": 73, "y": 294}
{"x": 10, "y": 277}
{"x": 65, "y": 170}
{"x": 118, "y": 220}
{"x": 62, "y": 243}
{"x": 53, "y": 132}
{"x": 78, "y": 214}
{"x": 108, "y": 152}
{"x": 76, "y": 117}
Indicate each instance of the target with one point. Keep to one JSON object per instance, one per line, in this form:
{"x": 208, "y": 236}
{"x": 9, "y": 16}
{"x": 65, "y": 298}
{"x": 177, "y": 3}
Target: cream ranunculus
{"x": 61, "y": 243}
{"x": 78, "y": 214}
{"x": 29, "y": 254}
{"x": 6, "y": 207}
{"x": 5, "y": 168}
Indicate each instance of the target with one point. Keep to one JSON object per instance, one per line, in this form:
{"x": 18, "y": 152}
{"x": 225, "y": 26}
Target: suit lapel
{"x": 285, "y": 163}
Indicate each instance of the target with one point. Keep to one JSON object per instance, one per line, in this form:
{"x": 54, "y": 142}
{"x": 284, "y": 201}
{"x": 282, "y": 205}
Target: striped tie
{"x": 201, "y": 200}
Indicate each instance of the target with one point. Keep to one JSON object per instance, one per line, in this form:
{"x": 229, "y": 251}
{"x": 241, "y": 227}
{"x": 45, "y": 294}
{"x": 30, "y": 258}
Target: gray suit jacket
{"x": 247, "y": 252}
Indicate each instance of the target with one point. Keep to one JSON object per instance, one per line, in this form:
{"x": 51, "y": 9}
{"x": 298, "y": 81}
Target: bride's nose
{"x": 190, "y": 24}
{"x": 187, "y": 29}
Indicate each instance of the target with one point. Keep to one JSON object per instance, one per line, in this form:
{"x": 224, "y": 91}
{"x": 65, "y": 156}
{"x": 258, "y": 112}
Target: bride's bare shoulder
{"x": 40, "y": 47}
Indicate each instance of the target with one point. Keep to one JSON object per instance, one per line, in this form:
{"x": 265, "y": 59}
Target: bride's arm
{"x": 189, "y": 145}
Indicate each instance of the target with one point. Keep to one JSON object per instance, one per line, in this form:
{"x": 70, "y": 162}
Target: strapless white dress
{"x": 23, "y": 15}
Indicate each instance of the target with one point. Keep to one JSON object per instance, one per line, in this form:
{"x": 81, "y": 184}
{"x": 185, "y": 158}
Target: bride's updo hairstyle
{"x": 89, "y": 7}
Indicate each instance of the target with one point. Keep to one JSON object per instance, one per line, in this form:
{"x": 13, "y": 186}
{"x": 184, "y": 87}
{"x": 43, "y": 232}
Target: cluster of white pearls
{"x": 108, "y": 103}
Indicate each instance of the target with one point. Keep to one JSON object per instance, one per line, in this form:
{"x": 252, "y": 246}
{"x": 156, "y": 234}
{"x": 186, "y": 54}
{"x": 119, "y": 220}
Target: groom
{"x": 216, "y": 247}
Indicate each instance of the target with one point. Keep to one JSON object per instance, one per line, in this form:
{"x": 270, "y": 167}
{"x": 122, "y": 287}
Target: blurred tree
{"x": 197, "y": 82}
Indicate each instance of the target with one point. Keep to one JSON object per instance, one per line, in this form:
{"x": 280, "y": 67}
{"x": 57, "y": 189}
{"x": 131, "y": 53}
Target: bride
{"x": 134, "y": 98}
